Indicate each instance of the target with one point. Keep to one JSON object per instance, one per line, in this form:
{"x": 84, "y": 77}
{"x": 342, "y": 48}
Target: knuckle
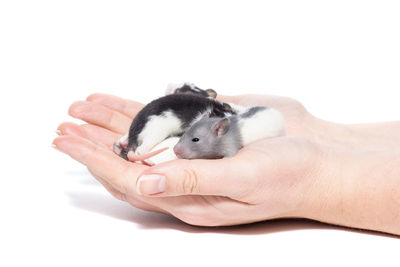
{"x": 189, "y": 183}
{"x": 124, "y": 188}
{"x": 111, "y": 120}
{"x": 118, "y": 195}
{"x": 297, "y": 105}
{"x": 125, "y": 180}
{"x": 117, "y": 122}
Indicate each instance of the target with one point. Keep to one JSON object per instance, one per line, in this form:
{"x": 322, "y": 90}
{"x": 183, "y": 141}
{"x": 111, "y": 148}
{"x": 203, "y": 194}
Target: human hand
{"x": 267, "y": 179}
{"x": 326, "y": 187}
{"x": 108, "y": 118}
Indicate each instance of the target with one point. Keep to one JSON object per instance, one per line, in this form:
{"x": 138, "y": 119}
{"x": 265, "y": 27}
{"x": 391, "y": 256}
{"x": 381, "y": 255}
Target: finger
{"x": 127, "y": 107}
{"x": 115, "y": 173}
{"x": 225, "y": 177}
{"x": 100, "y": 135}
{"x": 101, "y": 116}
{"x": 119, "y": 177}
{"x": 118, "y": 172}
{"x": 113, "y": 190}
{"x": 91, "y": 132}
{"x": 123, "y": 197}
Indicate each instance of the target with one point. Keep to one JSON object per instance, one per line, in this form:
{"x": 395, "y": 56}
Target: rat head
{"x": 204, "y": 140}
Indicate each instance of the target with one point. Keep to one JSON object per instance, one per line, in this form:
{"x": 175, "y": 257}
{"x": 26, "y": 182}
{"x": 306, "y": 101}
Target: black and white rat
{"x": 167, "y": 116}
{"x": 214, "y": 138}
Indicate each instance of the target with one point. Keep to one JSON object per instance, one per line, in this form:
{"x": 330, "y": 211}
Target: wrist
{"x": 357, "y": 189}
{"x": 329, "y": 133}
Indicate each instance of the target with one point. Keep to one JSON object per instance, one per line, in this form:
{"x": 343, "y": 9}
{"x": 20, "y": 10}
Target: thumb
{"x": 223, "y": 177}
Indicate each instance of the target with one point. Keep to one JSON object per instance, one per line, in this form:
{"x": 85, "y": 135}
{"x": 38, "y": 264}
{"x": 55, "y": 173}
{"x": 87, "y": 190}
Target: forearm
{"x": 383, "y": 130}
{"x": 358, "y": 189}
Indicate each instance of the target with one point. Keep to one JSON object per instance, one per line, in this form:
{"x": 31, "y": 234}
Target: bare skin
{"x": 341, "y": 174}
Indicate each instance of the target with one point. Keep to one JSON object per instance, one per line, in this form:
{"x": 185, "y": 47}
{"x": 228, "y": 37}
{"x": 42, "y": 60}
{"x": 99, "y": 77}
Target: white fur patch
{"x": 157, "y": 129}
{"x": 264, "y": 124}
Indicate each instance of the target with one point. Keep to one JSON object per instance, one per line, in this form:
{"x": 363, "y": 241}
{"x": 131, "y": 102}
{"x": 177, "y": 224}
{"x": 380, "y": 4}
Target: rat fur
{"x": 167, "y": 116}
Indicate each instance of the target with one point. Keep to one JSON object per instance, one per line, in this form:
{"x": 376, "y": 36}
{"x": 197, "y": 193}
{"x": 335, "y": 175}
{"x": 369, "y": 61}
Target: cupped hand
{"x": 320, "y": 174}
{"x": 266, "y": 179}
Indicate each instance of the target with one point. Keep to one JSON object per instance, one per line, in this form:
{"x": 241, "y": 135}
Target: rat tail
{"x": 131, "y": 156}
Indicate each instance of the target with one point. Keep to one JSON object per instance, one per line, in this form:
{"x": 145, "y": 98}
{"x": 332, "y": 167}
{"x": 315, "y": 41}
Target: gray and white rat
{"x": 214, "y": 138}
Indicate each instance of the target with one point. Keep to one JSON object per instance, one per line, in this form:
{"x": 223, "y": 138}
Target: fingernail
{"x": 58, "y": 132}
{"x": 54, "y": 146}
{"x": 151, "y": 184}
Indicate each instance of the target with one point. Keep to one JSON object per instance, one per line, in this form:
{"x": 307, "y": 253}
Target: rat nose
{"x": 177, "y": 151}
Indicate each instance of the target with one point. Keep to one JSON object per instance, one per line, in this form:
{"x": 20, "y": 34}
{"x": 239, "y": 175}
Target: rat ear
{"x": 227, "y": 107}
{"x": 211, "y": 93}
{"x": 221, "y": 127}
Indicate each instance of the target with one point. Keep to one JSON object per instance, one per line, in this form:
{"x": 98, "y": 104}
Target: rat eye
{"x": 195, "y": 139}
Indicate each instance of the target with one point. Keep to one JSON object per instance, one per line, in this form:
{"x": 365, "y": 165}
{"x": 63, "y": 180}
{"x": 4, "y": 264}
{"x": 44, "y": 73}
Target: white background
{"x": 339, "y": 58}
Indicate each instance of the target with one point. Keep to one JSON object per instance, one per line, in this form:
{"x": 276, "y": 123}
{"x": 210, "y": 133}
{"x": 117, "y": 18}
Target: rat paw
{"x": 120, "y": 146}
